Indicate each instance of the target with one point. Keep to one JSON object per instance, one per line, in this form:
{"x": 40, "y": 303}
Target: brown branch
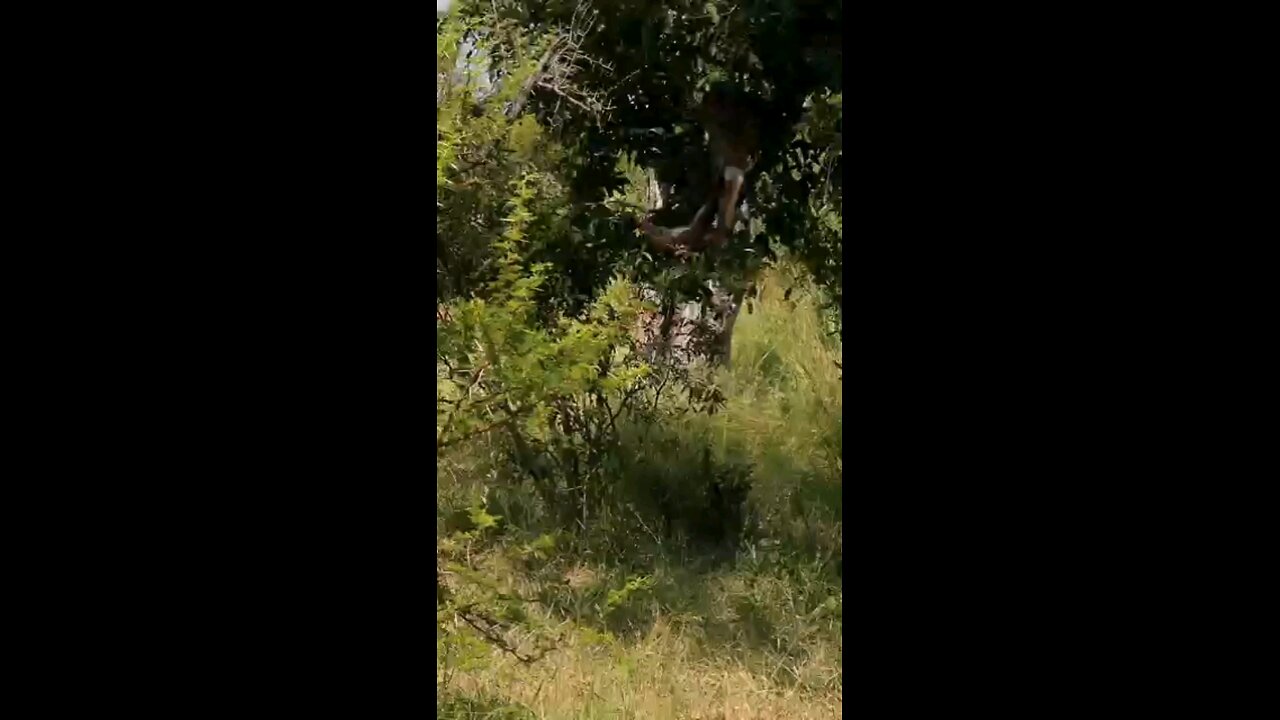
{"x": 473, "y": 434}
{"x": 561, "y": 61}
{"x": 486, "y": 625}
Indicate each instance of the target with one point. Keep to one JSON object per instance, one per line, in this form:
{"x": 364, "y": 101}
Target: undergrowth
{"x": 701, "y": 577}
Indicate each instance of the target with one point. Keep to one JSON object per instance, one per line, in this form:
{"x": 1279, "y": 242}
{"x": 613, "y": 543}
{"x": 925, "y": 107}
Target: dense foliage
{"x": 621, "y": 78}
{"x": 589, "y": 492}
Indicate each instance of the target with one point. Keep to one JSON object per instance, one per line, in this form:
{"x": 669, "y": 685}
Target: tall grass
{"x": 784, "y": 411}
{"x": 682, "y": 601}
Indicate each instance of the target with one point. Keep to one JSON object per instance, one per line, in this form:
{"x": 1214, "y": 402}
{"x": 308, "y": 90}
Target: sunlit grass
{"x": 784, "y": 407}
{"x": 661, "y": 675}
{"x": 758, "y": 636}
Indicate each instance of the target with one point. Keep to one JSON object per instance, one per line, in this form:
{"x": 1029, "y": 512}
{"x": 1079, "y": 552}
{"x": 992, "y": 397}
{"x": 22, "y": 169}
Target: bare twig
{"x": 489, "y": 628}
{"x": 561, "y": 62}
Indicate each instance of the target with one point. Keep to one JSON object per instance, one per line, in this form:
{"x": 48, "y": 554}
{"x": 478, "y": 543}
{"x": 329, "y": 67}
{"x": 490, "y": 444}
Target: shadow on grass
{"x": 456, "y": 706}
{"x": 689, "y": 544}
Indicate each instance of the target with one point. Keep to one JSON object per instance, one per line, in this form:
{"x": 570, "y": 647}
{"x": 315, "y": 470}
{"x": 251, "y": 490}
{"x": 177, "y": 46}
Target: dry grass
{"x": 662, "y": 675}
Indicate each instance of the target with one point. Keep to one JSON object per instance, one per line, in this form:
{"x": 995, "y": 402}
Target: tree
{"x": 621, "y": 79}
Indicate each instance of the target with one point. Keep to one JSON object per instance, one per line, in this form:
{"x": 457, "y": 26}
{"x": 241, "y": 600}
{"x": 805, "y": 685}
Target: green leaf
{"x": 481, "y": 519}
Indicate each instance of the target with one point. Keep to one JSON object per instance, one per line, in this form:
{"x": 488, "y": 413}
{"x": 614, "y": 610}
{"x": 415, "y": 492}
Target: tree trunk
{"x": 690, "y": 331}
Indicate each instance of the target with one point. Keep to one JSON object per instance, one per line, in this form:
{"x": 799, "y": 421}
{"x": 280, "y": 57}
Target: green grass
{"x": 671, "y": 608}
